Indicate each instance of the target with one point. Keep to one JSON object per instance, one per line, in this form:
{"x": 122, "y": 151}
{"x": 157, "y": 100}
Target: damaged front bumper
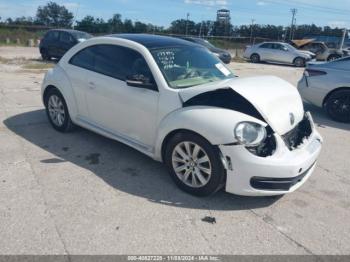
{"x": 282, "y": 172}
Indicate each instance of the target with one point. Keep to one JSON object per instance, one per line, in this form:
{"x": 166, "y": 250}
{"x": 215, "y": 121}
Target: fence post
{"x": 31, "y": 42}
{"x": 18, "y": 41}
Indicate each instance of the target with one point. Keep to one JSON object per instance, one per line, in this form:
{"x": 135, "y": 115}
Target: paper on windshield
{"x": 223, "y": 69}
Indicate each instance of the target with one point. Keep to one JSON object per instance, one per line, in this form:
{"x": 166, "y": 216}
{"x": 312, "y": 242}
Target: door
{"x": 78, "y": 69}
{"x": 66, "y": 42}
{"x": 265, "y": 52}
{"x": 282, "y": 54}
{"x": 51, "y": 42}
{"x": 129, "y": 112}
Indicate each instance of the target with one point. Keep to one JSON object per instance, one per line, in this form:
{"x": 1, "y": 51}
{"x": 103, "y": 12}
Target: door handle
{"x": 92, "y": 85}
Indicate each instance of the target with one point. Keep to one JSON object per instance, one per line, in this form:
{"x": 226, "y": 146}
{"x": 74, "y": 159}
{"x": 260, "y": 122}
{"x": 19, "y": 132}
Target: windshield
{"x": 184, "y": 67}
{"x": 205, "y": 43}
{"x": 290, "y": 47}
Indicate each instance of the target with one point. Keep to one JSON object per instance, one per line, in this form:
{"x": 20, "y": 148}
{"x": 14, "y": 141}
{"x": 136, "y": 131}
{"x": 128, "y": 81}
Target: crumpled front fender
{"x": 214, "y": 124}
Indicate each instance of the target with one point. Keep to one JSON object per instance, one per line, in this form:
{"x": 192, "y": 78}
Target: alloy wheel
{"x": 191, "y": 164}
{"x": 340, "y": 107}
{"x": 56, "y": 110}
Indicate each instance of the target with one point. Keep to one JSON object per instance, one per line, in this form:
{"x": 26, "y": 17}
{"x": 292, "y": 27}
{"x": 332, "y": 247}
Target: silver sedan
{"x": 327, "y": 85}
{"x": 278, "y": 52}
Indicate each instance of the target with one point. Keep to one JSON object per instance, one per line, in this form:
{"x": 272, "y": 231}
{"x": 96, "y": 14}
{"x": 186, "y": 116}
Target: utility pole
{"x": 75, "y": 16}
{"x": 343, "y": 39}
{"x": 294, "y": 28}
{"x": 251, "y": 30}
{"x": 188, "y": 15}
{"x": 200, "y": 29}
{"x": 294, "y": 12}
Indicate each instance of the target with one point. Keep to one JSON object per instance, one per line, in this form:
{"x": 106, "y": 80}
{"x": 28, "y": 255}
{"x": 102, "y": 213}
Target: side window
{"x": 267, "y": 45}
{"x": 281, "y": 47}
{"x": 53, "y": 35}
{"x": 114, "y": 61}
{"x": 84, "y": 58}
{"x": 66, "y": 38}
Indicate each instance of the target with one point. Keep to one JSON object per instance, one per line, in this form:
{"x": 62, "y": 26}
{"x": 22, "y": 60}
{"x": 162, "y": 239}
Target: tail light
{"x": 312, "y": 72}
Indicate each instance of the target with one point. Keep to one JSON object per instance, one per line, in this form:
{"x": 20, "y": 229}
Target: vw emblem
{"x": 291, "y": 118}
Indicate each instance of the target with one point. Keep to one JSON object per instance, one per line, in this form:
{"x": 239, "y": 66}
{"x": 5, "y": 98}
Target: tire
{"x": 203, "y": 178}
{"x": 56, "y": 105}
{"x": 255, "y": 58}
{"x": 337, "y": 106}
{"x": 299, "y": 62}
{"x": 333, "y": 57}
{"x": 45, "y": 55}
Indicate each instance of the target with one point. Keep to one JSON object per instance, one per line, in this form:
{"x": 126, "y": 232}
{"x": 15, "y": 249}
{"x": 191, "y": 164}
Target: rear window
{"x": 52, "y": 35}
{"x": 81, "y": 35}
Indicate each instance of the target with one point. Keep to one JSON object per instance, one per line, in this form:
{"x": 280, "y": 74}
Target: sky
{"x": 334, "y": 13}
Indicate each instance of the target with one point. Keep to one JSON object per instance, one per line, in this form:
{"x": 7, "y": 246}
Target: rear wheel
{"x": 299, "y": 62}
{"x": 57, "y": 111}
{"x": 333, "y": 57}
{"x": 194, "y": 164}
{"x": 338, "y": 106}
{"x": 255, "y": 58}
{"x": 45, "y": 54}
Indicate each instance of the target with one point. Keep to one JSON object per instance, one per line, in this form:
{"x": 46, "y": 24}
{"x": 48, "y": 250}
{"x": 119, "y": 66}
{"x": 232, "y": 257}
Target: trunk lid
{"x": 276, "y": 100}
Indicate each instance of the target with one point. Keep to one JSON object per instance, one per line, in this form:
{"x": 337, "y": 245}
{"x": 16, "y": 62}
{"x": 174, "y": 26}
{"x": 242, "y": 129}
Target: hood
{"x": 218, "y": 50}
{"x": 274, "y": 98}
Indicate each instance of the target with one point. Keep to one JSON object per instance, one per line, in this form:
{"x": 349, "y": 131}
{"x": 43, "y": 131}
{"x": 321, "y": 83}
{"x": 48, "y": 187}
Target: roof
{"x": 154, "y": 41}
{"x": 67, "y": 30}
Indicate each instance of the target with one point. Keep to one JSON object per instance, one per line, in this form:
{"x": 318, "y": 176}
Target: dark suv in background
{"x": 57, "y": 42}
{"x": 221, "y": 53}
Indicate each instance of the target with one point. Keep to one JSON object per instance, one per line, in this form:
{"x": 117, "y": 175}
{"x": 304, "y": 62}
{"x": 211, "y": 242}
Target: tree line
{"x": 54, "y": 15}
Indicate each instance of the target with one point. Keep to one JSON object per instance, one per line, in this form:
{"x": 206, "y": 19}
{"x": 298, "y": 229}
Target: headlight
{"x": 249, "y": 133}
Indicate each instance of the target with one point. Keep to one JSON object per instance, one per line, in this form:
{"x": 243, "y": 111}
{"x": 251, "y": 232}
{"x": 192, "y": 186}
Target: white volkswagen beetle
{"x": 177, "y": 103}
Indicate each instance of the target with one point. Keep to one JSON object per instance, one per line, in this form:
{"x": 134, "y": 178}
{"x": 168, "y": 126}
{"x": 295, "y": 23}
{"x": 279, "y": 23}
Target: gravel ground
{"x": 81, "y": 193}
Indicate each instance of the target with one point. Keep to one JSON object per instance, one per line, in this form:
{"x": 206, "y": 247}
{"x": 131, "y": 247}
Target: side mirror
{"x": 141, "y": 81}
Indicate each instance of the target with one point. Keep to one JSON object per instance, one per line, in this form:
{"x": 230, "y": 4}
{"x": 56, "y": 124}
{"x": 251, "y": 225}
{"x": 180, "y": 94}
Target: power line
{"x": 311, "y": 6}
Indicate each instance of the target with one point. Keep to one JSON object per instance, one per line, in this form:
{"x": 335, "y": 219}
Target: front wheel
{"x": 299, "y": 62}
{"x": 194, "y": 164}
{"x": 338, "y": 106}
{"x": 255, "y": 58}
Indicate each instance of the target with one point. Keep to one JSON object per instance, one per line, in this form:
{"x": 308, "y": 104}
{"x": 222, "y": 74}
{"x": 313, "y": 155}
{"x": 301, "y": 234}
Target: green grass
{"x": 38, "y": 66}
{"x": 23, "y": 35}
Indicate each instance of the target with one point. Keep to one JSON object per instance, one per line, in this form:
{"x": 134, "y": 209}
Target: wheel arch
{"x": 347, "y": 88}
{"x": 170, "y": 135}
{"x": 255, "y": 53}
{"x": 47, "y": 89}
{"x": 299, "y": 57}
{"x": 216, "y": 125}
{"x": 57, "y": 78}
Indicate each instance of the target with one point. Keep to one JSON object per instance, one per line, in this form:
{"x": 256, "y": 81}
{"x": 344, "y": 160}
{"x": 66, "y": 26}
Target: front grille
{"x": 297, "y": 135}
